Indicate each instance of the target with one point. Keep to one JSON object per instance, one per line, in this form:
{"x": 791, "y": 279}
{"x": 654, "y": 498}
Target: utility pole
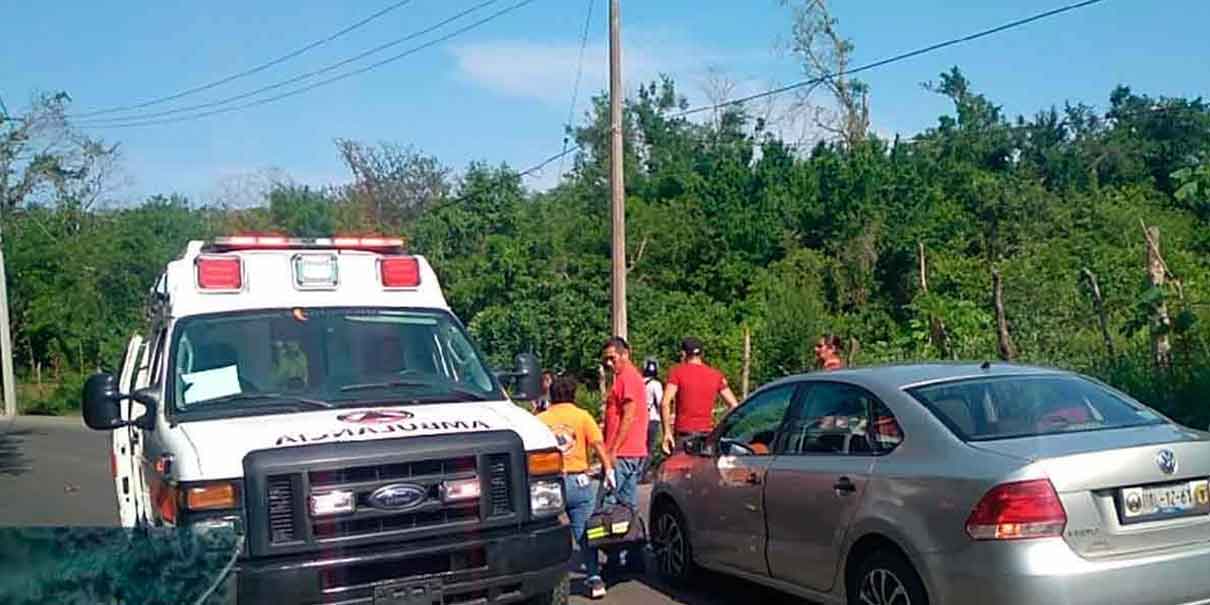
{"x": 7, "y": 377}
{"x": 6, "y": 342}
{"x": 616, "y": 184}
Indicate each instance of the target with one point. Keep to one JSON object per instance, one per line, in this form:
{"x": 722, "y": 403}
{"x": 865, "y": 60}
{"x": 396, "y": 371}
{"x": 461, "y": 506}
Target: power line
{"x": 344, "y": 76}
{"x": 867, "y": 67}
{"x": 248, "y": 72}
{"x": 299, "y": 78}
{"x": 895, "y": 59}
{"x": 575, "y": 90}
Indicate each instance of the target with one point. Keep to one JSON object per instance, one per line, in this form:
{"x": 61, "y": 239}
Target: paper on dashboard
{"x": 211, "y": 384}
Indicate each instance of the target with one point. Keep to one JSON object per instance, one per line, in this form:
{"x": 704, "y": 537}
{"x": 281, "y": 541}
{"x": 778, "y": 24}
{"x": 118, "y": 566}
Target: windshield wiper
{"x": 369, "y": 386}
{"x": 268, "y": 399}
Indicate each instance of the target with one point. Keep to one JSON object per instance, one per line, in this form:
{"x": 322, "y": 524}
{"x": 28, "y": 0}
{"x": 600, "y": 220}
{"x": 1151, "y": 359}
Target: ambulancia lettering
{"x": 384, "y": 429}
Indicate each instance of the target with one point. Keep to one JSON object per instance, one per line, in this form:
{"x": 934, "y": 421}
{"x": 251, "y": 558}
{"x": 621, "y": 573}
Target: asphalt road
{"x": 707, "y": 588}
{"x": 55, "y": 471}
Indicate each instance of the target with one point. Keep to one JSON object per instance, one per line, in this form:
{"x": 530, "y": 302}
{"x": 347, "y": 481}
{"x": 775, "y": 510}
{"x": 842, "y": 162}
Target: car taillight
{"x": 399, "y": 271}
{"x": 1018, "y": 511}
{"x": 219, "y": 273}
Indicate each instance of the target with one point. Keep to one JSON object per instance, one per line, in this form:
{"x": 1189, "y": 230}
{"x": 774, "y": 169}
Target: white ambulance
{"x": 318, "y": 397}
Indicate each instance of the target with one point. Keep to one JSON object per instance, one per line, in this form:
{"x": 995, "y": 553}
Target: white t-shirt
{"x": 655, "y": 394}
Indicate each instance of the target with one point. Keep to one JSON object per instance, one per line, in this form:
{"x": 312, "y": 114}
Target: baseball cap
{"x": 691, "y": 346}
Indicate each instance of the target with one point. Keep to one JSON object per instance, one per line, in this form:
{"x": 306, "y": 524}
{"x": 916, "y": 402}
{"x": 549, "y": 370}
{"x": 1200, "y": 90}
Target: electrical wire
{"x": 248, "y": 72}
{"x": 299, "y": 78}
{"x": 895, "y": 59}
{"x": 331, "y": 80}
{"x": 575, "y": 89}
{"x": 867, "y": 67}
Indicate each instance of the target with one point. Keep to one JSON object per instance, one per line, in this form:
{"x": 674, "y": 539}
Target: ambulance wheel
{"x": 554, "y": 596}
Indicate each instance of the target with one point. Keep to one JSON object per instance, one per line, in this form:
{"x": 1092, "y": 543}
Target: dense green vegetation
{"x": 729, "y": 228}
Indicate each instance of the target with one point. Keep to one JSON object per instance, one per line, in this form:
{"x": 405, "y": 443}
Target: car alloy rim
{"x": 882, "y": 587}
{"x": 672, "y": 545}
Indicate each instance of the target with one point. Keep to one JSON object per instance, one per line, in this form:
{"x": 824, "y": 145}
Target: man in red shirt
{"x": 695, "y": 386}
{"x": 625, "y": 420}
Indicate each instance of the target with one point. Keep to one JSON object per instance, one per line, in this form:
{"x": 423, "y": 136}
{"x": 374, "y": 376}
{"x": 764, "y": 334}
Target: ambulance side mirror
{"x": 102, "y": 404}
{"x": 527, "y": 378}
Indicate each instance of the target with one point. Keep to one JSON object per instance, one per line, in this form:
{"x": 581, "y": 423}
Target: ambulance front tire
{"x": 555, "y": 596}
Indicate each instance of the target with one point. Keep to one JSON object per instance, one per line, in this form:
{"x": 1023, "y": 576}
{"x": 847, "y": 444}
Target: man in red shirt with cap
{"x": 695, "y": 386}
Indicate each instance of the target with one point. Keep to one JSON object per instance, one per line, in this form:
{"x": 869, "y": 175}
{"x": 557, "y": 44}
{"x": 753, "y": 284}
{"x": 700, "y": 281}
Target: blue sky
{"x": 501, "y": 92}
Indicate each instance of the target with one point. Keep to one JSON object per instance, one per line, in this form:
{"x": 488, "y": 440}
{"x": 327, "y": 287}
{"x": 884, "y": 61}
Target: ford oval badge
{"x": 398, "y": 496}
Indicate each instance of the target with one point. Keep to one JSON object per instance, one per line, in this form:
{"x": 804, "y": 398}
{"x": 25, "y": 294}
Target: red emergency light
{"x": 277, "y": 242}
{"x": 399, "y": 271}
{"x": 220, "y": 273}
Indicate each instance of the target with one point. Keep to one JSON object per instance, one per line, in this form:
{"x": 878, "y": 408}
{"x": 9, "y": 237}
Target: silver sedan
{"x": 943, "y": 484}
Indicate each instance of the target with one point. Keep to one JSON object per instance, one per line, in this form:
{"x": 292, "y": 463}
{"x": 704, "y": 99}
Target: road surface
{"x": 55, "y": 471}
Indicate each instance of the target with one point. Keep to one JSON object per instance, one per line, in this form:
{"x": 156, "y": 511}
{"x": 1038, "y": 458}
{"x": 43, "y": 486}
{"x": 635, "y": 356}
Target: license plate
{"x": 1153, "y": 503}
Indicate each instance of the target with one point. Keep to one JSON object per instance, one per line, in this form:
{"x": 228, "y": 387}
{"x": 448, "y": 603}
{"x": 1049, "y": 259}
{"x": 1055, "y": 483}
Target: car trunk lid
{"x": 1109, "y": 480}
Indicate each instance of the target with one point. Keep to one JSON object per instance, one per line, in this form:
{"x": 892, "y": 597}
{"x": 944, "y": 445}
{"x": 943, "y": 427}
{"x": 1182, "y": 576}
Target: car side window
{"x": 843, "y": 419}
{"x": 751, "y": 429}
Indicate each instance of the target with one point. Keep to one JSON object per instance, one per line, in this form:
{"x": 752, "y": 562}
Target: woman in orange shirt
{"x": 576, "y": 433}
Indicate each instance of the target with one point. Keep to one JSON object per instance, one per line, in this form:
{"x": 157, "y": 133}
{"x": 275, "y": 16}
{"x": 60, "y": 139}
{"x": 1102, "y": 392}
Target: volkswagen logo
{"x": 398, "y": 496}
{"x": 1166, "y": 460}
{"x": 375, "y": 417}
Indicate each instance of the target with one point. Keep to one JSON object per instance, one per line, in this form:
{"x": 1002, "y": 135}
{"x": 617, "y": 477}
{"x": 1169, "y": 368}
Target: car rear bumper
{"x": 485, "y": 568}
{"x": 1048, "y": 571}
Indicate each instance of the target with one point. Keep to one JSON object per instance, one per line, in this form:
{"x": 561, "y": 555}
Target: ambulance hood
{"x": 219, "y": 446}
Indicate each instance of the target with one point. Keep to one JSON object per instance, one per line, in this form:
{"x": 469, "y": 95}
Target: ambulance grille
{"x": 498, "y": 485}
{"x": 281, "y": 509}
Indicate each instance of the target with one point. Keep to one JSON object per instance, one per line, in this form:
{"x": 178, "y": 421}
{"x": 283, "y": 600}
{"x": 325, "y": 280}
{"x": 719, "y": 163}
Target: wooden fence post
{"x": 937, "y": 331}
{"x": 1161, "y": 323}
{"x": 747, "y": 363}
{"x": 1008, "y": 351}
{"x": 1099, "y": 303}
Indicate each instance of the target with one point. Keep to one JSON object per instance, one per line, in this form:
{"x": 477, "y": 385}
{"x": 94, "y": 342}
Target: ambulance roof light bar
{"x": 392, "y": 245}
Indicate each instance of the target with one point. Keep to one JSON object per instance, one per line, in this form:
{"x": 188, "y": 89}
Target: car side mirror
{"x": 527, "y": 377}
{"x": 102, "y": 404}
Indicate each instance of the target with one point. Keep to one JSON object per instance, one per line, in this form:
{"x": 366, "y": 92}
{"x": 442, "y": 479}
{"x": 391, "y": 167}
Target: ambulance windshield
{"x": 323, "y": 357}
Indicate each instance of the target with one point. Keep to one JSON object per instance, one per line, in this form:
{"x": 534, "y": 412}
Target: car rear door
{"x": 817, "y": 480}
{"x": 730, "y": 517}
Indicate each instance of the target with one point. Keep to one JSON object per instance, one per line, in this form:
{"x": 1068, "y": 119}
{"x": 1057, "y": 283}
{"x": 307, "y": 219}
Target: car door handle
{"x": 844, "y": 485}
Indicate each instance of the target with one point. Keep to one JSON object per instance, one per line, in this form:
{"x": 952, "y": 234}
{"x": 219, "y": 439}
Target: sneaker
{"x": 596, "y": 587}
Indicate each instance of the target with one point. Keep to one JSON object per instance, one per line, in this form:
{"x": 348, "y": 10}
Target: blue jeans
{"x": 581, "y": 501}
{"x": 628, "y": 472}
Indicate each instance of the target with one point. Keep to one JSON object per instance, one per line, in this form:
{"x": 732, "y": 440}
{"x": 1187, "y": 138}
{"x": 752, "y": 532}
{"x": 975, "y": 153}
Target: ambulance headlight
{"x": 546, "y": 497}
{"x": 332, "y": 503}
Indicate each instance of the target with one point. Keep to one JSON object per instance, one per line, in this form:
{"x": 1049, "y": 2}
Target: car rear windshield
{"x": 983, "y": 409}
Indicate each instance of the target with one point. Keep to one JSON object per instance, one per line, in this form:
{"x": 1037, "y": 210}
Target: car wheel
{"x": 886, "y": 578}
{"x": 673, "y": 552}
{"x": 555, "y": 596}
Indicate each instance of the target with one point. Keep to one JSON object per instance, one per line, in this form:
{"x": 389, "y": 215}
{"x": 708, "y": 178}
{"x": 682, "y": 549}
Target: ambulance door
{"x": 123, "y": 460}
